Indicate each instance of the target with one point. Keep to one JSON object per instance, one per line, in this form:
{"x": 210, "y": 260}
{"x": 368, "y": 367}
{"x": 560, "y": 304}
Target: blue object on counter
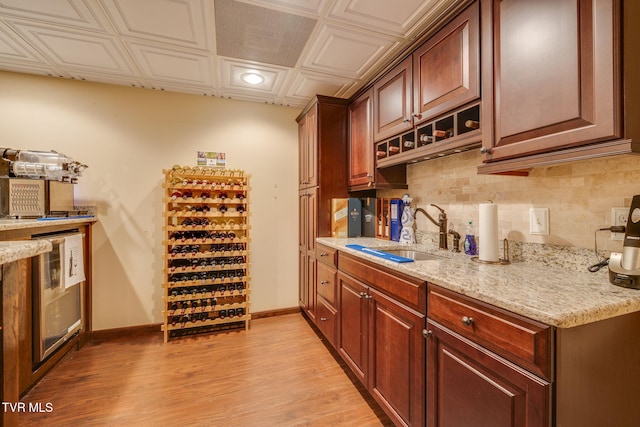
{"x": 380, "y": 254}
{"x": 56, "y": 218}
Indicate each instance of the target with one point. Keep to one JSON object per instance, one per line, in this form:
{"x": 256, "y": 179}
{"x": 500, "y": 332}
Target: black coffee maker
{"x": 624, "y": 268}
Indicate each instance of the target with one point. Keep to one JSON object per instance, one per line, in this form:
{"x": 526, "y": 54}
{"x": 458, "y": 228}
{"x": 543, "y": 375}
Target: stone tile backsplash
{"x": 579, "y": 196}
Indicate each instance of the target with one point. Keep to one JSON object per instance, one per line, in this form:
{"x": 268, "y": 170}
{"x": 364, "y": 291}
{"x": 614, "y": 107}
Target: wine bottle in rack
{"x": 472, "y": 124}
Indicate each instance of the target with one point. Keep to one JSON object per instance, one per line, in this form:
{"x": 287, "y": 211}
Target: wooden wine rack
{"x": 206, "y": 256}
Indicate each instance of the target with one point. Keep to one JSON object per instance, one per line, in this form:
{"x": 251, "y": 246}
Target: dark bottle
{"x": 222, "y": 208}
{"x": 185, "y": 319}
{"x": 231, "y": 312}
{"x": 222, "y": 314}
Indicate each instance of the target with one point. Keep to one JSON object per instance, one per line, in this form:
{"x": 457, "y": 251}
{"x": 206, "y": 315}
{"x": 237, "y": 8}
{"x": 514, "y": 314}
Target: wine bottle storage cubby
{"x": 206, "y": 263}
{"x": 453, "y": 133}
{"x": 383, "y": 218}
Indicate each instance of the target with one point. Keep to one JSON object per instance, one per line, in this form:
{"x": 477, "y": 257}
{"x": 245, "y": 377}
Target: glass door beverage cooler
{"x": 58, "y": 281}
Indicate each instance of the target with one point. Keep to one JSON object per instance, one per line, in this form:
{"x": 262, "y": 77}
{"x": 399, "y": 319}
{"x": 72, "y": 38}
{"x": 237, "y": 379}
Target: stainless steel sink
{"x": 414, "y": 255}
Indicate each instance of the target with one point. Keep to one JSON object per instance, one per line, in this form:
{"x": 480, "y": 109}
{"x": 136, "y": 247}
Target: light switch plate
{"x": 619, "y": 217}
{"x": 539, "y": 221}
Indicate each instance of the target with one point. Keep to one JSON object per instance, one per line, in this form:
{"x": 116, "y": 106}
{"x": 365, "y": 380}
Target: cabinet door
{"x": 311, "y": 286}
{"x": 361, "y": 167}
{"x": 352, "y": 340}
{"x": 303, "y": 286}
{"x": 308, "y": 149}
{"x": 469, "y": 385}
{"x": 392, "y": 102}
{"x": 552, "y": 68}
{"x": 303, "y": 220}
{"x": 446, "y": 68}
{"x": 397, "y": 359}
{"x": 312, "y": 219}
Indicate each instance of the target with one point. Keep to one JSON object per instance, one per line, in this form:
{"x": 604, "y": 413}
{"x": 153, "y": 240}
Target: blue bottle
{"x": 470, "y": 241}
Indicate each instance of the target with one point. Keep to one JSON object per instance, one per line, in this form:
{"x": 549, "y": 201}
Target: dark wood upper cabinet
{"x": 308, "y": 149}
{"x": 393, "y": 102}
{"x": 361, "y": 167}
{"x": 446, "y": 68}
{"x": 552, "y": 80}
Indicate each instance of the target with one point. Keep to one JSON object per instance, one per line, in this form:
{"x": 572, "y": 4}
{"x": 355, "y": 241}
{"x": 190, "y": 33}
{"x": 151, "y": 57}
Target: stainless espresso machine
{"x": 624, "y": 268}
{"x": 37, "y": 183}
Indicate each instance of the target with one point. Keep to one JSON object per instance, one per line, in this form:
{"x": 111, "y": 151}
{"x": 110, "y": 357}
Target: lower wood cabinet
{"x": 431, "y": 356}
{"x": 381, "y": 340}
{"x": 470, "y": 385}
{"x": 485, "y": 364}
{"x": 326, "y": 279}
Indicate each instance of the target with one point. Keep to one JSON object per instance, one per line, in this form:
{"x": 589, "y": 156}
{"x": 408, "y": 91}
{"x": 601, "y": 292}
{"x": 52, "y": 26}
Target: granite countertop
{"x": 554, "y": 296}
{"x": 7, "y": 224}
{"x": 15, "y": 250}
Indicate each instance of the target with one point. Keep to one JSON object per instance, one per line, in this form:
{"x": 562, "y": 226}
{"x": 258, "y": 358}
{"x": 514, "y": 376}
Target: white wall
{"x": 127, "y": 136}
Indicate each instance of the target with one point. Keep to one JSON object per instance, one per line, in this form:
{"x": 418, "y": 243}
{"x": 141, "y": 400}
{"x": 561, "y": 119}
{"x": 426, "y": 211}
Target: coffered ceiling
{"x": 299, "y": 48}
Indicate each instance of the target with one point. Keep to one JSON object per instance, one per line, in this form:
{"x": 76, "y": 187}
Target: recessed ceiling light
{"x": 252, "y": 78}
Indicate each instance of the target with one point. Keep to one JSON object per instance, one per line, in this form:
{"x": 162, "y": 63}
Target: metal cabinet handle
{"x": 324, "y": 319}
{"x": 467, "y": 321}
{"x": 416, "y": 115}
{"x": 324, "y": 282}
{"x": 363, "y": 294}
{"x": 323, "y": 254}
{"x": 485, "y": 150}
{"x": 427, "y": 333}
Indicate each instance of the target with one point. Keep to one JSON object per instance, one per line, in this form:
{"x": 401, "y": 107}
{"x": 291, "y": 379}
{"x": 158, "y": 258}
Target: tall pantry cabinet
{"x": 322, "y": 127}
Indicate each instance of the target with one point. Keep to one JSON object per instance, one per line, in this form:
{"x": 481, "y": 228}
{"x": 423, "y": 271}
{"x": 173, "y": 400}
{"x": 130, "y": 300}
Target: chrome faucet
{"x": 441, "y": 223}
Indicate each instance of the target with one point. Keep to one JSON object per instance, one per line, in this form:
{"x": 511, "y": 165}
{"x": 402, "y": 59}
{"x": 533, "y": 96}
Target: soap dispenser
{"x": 470, "y": 241}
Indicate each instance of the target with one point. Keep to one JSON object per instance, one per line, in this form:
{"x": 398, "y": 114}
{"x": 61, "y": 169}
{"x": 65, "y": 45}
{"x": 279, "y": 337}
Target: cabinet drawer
{"x": 326, "y": 320}
{"x": 406, "y": 289}
{"x": 523, "y": 341}
{"x": 326, "y": 283}
{"x": 327, "y": 255}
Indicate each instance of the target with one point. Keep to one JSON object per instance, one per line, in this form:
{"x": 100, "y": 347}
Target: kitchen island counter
{"x": 11, "y": 251}
{"x": 7, "y": 224}
{"x": 553, "y": 296}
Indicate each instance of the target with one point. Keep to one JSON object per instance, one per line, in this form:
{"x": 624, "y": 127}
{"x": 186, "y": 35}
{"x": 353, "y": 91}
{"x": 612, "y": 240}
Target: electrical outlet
{"x": 619, "y": 217}
{"x": 539, "y": 221}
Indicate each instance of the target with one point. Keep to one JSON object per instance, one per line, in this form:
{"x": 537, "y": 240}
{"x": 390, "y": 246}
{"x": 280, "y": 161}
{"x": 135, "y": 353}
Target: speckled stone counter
{"x": 19, "y": 249}
{"x": 16, "y": 224}
{"x": 555, "y": 296}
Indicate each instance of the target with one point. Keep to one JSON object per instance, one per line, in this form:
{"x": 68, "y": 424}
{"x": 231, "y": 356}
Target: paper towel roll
{"x": 488, "y": 232}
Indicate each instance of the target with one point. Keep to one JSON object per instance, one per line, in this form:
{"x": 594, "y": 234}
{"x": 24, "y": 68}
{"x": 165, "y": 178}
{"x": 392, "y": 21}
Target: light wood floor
{"x": 278, "y": 373}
